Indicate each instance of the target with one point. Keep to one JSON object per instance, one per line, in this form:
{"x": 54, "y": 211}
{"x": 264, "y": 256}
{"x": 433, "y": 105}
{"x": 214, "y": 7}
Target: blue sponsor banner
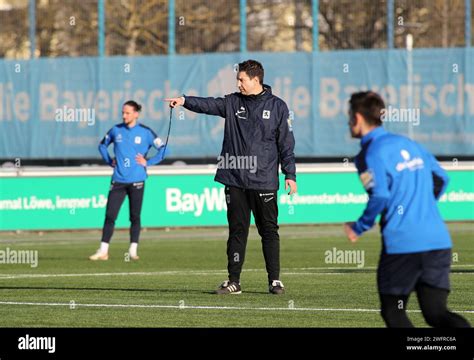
{"x": 61, "y": 108}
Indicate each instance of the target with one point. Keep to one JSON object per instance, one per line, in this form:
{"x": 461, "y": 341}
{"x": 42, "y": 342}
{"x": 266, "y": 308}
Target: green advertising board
{"x": 78, "y": 202}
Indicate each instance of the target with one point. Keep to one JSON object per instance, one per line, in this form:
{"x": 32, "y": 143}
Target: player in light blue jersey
{"x": 404, "y": 182}
{"x": 132, "y": 141}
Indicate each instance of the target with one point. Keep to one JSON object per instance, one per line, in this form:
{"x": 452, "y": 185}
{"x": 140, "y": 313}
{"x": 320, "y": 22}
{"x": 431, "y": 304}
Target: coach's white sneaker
{"x": 99, "y": 256}
{"x": 134, "y": 257}
{"x": 276, "y": 287}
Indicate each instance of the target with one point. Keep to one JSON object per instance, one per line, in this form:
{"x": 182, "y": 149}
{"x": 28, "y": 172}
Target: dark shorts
{"x": 399, "y": 274}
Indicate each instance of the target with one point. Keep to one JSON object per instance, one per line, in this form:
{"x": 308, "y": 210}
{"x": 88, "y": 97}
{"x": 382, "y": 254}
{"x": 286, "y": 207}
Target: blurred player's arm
{"x": 286, "y": 147}
{"x": 440, "y": 176}
{"x": 440, "y": 179}
{"x": 209, "y": 105}
{"x": 106, "y": 141}
{"x": 375, "y": 183}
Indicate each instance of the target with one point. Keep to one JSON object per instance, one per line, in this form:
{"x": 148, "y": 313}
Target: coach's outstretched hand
{"x": 176, "y": 101}
{"x": 351, "y": 235}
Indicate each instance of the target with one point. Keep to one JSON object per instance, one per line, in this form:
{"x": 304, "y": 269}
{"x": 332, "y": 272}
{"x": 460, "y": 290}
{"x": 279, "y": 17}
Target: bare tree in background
{"x": 279, "y": 25}
{"x": 347, "y": 24}
{"x": 433, "y": 23}
{"x": 14, "y": 29}
{"x": 136, "y": 27}
{"x": 207, "y": 26}
{"x": 66, "y": 28}
{"x": 140, "y": 27}
{"x": 300, "y": 8}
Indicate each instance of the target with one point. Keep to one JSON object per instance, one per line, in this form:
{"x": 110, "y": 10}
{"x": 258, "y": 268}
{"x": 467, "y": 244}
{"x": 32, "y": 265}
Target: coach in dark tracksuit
{"x": 257, "y": 138}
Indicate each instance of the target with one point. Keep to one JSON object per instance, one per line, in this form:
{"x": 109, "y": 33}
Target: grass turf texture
{"x": 172, "y": 283}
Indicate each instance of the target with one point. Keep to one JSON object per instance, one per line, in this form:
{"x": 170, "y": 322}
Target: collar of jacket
{"x": 267, "y": 91}
{"x": 375, "y": 133}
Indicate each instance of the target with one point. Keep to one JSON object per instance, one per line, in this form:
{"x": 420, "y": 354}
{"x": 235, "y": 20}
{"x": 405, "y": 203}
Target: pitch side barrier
{"x": 46, "y": 198}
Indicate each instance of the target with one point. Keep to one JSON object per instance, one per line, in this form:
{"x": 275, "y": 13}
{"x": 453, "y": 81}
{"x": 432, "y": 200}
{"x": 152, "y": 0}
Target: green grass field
{"x": 171, "y": 285}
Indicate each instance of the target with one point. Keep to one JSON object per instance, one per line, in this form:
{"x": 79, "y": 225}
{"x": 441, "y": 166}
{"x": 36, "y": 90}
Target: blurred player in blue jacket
{"x": 132, "y": 141}
{"x": 403, "y": 181}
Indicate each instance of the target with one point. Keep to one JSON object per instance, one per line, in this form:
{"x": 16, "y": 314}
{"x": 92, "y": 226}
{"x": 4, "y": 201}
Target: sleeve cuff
{"x": 290, "y": 177}
{"x": 357, "y": 228}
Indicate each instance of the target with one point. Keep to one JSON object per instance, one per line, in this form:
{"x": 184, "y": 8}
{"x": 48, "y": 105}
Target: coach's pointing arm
{"x": 209, "y": 106}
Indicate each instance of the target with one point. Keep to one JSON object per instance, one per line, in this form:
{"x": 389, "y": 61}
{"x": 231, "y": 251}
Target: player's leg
{"x": 433, "y": 290}
{"x": 397, "y": 275}
{"x": 115, "y": 200}
{"x": 393, "y": 311}
{"x": 265, "y": 210}
{"x": 135, "y": 195}
{"x": 433, "y": 303}
{"x": 238, "y": 217}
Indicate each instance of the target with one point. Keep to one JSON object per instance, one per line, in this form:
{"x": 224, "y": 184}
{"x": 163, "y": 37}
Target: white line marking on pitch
{"x": 202, "y": 307}
{"x": 180, "y": 272}
{"x": 190, "y": 272}
{"x": 356, "y": 268}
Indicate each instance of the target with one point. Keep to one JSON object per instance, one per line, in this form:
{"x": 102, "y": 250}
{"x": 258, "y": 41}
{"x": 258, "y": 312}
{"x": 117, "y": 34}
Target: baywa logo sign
{"x": 210, "y": 199}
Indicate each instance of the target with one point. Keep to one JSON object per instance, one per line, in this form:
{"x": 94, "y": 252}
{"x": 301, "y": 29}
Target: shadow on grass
{"x": 178, "y": 291}
{"x": 462, "y": 271}
{"x": 368, "y": 271}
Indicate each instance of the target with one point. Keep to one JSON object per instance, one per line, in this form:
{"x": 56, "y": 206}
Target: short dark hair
{"x": 253, "y": 69}
{"x": 136, "y": 106}
{"x": 369, "y": 104}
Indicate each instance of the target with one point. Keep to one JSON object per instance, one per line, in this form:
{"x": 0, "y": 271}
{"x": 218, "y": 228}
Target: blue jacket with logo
{"x": 403, "y": 181}
{"x": 128, "y": 143}
{"x": 257, "y": 130}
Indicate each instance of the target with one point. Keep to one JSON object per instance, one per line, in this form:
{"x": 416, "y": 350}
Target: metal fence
{"x": 55, "y": 28}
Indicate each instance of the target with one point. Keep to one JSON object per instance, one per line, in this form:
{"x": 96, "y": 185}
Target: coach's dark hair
{"x": 369, "y": 104}
{"x": 136, "y": 106}
{"x": 253, "y": 69}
